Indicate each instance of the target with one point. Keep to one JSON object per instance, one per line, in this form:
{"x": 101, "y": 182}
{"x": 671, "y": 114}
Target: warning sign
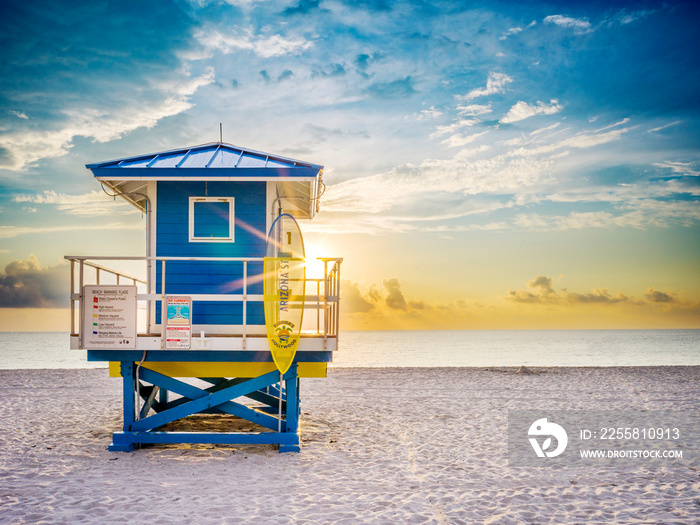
{"x": 178, "y": 323}
{"x": 109, "y": 317}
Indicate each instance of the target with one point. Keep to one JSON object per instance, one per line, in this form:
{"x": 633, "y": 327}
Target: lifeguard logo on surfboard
{"x": 284, "y": 335}
{"x": 284, "y": 289}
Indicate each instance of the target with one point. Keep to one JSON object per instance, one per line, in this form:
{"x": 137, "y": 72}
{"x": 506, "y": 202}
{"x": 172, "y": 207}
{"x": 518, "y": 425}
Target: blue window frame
{"x": 211, "y": 219}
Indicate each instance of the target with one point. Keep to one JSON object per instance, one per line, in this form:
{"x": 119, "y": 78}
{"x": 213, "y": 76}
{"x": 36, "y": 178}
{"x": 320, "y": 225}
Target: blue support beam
{"x": 260, "y": 395}
{"x": 220, "y": 438}
{"x": 213, "y": 356}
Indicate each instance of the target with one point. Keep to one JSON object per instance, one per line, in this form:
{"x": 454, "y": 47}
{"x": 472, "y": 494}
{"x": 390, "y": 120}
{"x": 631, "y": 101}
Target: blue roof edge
{"x": 111, "y": 164}
{"x": 299, "y": 172}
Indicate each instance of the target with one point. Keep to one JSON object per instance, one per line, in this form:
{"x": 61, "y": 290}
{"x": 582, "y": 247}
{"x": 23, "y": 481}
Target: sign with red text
{"x": 109, "y": 317}
{"x": 178, "y": 323}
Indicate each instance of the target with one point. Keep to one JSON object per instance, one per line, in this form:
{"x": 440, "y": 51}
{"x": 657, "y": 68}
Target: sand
{"x": 387, "y": 445}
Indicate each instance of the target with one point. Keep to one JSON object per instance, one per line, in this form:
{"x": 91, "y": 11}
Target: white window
{"x": 211, "y": 219}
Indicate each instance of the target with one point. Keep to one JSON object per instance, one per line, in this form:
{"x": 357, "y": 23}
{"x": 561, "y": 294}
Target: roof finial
{"x": 221, "y": 133}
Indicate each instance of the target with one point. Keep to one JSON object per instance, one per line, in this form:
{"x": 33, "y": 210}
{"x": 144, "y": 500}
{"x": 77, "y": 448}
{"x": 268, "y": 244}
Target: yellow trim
{"x": 228, "y": 369}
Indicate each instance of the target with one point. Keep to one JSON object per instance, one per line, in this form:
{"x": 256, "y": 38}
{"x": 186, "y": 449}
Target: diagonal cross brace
{"x": 219, "y": 383}
{"x": 259, "y": 395}
{"x": 149, "y": 399}
{"x": 222, "y": 383}
{"x": 202, "y": 400}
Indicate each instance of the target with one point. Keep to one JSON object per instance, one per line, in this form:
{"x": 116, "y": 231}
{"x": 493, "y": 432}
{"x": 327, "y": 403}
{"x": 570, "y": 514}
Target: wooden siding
{"x": 191, "y": 277}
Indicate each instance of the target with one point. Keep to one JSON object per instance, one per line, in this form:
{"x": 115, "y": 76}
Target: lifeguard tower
{"x": 186, "y": 332}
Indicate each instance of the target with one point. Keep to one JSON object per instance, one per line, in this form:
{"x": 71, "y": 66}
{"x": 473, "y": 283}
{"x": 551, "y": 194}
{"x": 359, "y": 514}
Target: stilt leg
{"x": 163, "y": 396}
{"x": 119, "y": 444}
{"x": 292, "y": 412}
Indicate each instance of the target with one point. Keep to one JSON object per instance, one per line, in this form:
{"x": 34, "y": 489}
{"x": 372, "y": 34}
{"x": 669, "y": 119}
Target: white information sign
{"x": 178, "y": 323}
{"x": 109, "y": 317}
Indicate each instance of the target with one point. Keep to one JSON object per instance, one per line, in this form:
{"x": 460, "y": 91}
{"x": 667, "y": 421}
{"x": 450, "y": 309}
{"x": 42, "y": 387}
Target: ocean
{"x": 492, "y": 348}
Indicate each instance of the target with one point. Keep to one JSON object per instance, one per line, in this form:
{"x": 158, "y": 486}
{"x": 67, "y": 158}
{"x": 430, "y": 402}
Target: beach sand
{"x": 383, "y": 445}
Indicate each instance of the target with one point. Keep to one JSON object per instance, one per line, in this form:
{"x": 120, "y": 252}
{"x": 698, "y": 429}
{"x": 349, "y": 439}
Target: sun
{"x": 314, "y": 267}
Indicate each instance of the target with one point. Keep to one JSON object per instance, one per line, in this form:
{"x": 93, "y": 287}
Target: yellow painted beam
{"x": 209, "y": 369}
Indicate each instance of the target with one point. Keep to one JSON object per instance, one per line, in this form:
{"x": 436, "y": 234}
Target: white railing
{"x": 325, "y": 300}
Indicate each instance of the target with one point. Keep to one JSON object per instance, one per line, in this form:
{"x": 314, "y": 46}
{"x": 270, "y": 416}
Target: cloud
{"x": 626, "y": 16}
{"x": 458, "y": 141}
{"x": 236, "y": 3}
{"x": 304, "y": 7}
{"x": 275, "y": 45}
{"x": 527, "y": 170}
{"x": 451, "y": 128}
{"x": 88, "y": 204}
{"x": 429, "y": 113}
{"x": 26, "y": 146}
{"x": 10, "y": 232}
{"x": 613, "y": 125}
{"x": 285, "y": 75}
{"x": 27, "y": 284}
{"x": 473, "y": 110}
{"x": 683, "y": 169}
{"x": 353, "y": 300}
{"x": 572, "y": 221}
{"x": 364, "y": 61}
{"x": 395, "y": 299}
{"x": 19, "y": 114}
{"x": 387, "y": 307}
{"x": 395, "y": 89}
{"x": 510, "y": 32}
{"x": 543, "y": 283}
{"x": 370, "y": 5}
{"x": 522, "y": 110}
{"x": 660, "y": 128}
{"x": 406, "y": 185}
{"x": 601, "y": 295}
{"x": 582, "y": 140}
{"x": 321, "y": 134}
{"x": 589, "y": 140}
{"x": 333, "y": 70}
{"x": 544, "y": 130}
{"x": 579, "y": 25}
{"x": 627, "y": 212}
{"x": 540, "y": 290}
{"x": 494, "y": 84}
{"x": 97, "y": 81}
{"x": 387, "y": 298}
{"x": 656, "y": 296}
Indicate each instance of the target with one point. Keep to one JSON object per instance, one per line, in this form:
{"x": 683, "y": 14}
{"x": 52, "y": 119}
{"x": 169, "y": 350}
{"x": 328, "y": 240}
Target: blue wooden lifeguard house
{"x": 207, "y": 211}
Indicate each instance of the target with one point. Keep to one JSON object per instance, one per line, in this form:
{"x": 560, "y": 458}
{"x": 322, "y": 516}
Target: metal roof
{"x": 214, "y": 156}
{"x": 213, "y": 161}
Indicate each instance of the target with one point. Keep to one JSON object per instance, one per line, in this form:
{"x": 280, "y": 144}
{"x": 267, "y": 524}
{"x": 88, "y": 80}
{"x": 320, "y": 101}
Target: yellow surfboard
{"x": 284, "y": 289}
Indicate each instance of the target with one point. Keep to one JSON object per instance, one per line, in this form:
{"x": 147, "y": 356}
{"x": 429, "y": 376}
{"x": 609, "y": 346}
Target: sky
{"x": 488, "y": 165}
